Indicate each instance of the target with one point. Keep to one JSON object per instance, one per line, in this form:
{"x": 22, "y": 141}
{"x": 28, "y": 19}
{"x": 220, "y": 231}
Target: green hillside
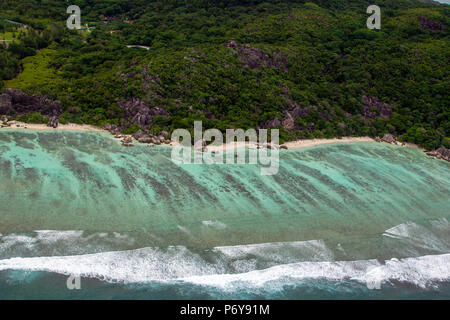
{"x": 311, "y": 69}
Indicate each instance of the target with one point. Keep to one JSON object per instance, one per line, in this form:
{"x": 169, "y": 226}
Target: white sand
{"x": 316, "y": 142}
{"x": 43, "y": 127}
{"x": 210, "y": 148}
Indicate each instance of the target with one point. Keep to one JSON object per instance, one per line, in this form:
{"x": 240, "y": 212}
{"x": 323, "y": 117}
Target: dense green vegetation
{"x": 315, "y": 56}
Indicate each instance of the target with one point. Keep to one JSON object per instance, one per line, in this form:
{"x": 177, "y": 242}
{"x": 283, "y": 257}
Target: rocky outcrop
{"x": 53, "y": 122}
{"x": 374, "y": 107}
{"x": 15, "y": 102}
{"x": 158, "y": 111}
{"x": 441, "y": 153}
{"x": 426, "y": 24}
{"x": 271, "y": 124}
{"x": 113, "y": 129}
{"x": 142, "y": 136}
{"x": 268, "y": 145}
{"x": 137, "y": 112}
{"x": 145, "y": 139}
{"x": 298, "y": 112}
{"x": 4, "y": 122}
{"x": 127, "y": 141}
{"x": 6, "y": 106}
{"x": 288, "y": 121}
{"x": 139, "y": 134}
{"x": 200, "y": 145}
{"x": 254, "y": 58}
{"x": 389, "y": 138}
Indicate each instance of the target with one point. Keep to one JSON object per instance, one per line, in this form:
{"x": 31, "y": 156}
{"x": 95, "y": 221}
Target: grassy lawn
{"x": 36, "y": 71}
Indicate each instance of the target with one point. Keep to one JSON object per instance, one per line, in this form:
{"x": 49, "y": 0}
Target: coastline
{"x": 291, "y": 145}
{"x": 44, "y": 127}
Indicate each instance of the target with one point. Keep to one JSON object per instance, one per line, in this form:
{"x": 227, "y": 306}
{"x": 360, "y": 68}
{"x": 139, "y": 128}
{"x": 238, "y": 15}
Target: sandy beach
{"x": 315, "y": 142}
{"x": 299, "y": 144}
{"x": 44, "y": 127}
{"x": 291, "y": 145}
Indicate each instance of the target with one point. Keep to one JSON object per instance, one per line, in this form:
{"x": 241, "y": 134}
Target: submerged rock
{"x": 127, "y": 141}
{"x": 145, "y": 139}
{"x": 139, "y": 134}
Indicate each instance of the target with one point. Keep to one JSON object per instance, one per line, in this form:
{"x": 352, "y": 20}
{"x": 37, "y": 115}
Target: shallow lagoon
{"x": 346, "y": 202}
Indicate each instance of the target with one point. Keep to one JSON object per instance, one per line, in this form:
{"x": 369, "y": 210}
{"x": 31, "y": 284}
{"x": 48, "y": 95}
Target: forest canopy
{"x": 309, "y": 68}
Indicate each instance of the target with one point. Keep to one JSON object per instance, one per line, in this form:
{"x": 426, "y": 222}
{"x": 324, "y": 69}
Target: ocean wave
{"x": 139, "y": 265}
{"x": 67, "y": 242}
{"x": 227, "y": 266}
{"x": 174, "y": 262}
{"x": 434, "y": 235}
{"x": 215, "y": 268}
{"x": 420, "y": 271}
{"x": 214, "y": 224}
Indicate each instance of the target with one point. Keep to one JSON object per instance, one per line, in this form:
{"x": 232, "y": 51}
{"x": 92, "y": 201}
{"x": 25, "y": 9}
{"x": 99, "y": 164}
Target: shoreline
{"x": 44, "y": 127}
{"x": 291, "y": 145}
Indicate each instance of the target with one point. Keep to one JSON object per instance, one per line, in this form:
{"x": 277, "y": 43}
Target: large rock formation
{"x": 137, "y": 112}
{"x": 139, "y": 134}
{"x": 271, "y": 124}
{"x": 426, "y": 24}
{"x": 255, "y": 58}
{"x": 288, "y": 120}
{"x": 389, "y": 138}
{"x": 374, "y": 107}
{"x": 146, "y": 139}
{"x": 53, "y": 122}
{"x": 291, "y": 114}
{"x": 441, "y": 153}
{"x": 298, "y": 112}
{"x": 113, "y": 129}
{"x": 14, "y": 102}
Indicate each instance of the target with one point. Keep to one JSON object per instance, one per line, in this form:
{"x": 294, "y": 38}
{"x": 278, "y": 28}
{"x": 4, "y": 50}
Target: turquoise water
{"x": 134, "y": 224}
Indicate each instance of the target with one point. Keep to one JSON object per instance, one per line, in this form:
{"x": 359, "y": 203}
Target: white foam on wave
{"x": 43, "y": 236}
{"x": 421, "y": 271}
{"x": 276, "y": 253}
{"x": 174, "y": 262}
{"x": 48, "y": 240}
{"x": 215, "y": 224}
{"x": 180, "y": 264}
{"x": 432, "y": 238}
{"x": 128, "y": 266}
